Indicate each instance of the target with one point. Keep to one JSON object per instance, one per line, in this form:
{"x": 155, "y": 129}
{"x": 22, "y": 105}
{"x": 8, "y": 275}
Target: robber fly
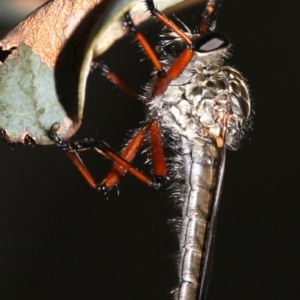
{"x": 198, "y": 106}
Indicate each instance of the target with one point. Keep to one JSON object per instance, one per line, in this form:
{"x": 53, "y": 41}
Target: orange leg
{"x": 161, "y": 83}
{"x": 128, "y": 153}
{"x": 159, "y": 163}
{"x": 167, "y": 22}
{"x": 122, "y": 161}
{"x": 158, "y": 158}
{"x": 143, "y": 42}
{"x": 114, "y": 78}
{"x": 164, "y": 78}
{"x": 75, "y": 158}
{"x": 208, "y": 14}
{"x": 105, "y": 150}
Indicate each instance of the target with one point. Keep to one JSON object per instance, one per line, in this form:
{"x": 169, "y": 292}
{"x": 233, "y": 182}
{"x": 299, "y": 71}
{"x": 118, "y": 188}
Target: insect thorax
{"x": 196, "y": 104}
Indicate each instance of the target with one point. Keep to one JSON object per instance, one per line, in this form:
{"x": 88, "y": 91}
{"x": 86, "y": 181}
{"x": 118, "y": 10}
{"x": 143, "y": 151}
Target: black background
{"x": 61, "y": 240}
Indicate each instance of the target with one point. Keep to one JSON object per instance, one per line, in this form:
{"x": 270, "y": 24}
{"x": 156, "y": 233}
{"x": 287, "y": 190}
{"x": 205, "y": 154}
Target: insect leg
{"x": 128, "y": 153}
{"x": 158, "y": 158}
{"x": 208, "y": 22}
{"x": 167, "y": 22}
{"x": 114, "y": 78}
{"x": 75, "y": 158}
{"x": 107, "y": 151}
{"x": 147, "y": 48}
{"x": 103, "y": 148}
{"x": 164, "y": 78}
{"x": 161, "y": 83}
{"x": 145, "y": 45}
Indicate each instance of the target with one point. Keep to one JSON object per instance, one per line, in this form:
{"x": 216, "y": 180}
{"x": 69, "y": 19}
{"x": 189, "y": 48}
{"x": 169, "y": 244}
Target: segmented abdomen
{"x": 200, "y": 167}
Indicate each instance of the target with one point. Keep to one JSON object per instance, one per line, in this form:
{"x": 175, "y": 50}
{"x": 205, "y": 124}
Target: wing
{"x": 206, "y": 265}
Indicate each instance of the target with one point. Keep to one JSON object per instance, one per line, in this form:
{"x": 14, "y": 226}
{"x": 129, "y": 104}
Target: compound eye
{"x": 211, "y": 41}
